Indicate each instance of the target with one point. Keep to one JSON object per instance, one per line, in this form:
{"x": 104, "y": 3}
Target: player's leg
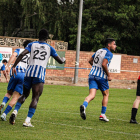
{"x": 104, "y": 87}
{"x": 92, "y": 92}
{"x": 13, "y": 101}
{"x": 5, "y": 100}
{"x": 37, "y": 90}
{"x": 19, "y": 103}
{"x": 135, "y": 104}
{"x": 104, "y": 105}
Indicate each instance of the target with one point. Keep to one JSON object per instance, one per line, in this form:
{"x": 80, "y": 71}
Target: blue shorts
{"x": 16, "y": 84}
{"x": 29, "y": 81}
{"x": 98, "y": 83}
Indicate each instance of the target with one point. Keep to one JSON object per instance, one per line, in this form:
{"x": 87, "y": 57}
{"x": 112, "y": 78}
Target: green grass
{"x": 57, "y": 116}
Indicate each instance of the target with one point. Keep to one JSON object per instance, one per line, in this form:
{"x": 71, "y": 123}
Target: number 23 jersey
{"x": 39, "y": 56}
{"x": 98, "y": 57}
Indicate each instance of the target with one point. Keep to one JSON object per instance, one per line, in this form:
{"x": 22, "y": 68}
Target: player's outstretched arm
{"x": 12, "y": 58}
{"x": 60, "y": 60}
{"x": 105, "y": 68}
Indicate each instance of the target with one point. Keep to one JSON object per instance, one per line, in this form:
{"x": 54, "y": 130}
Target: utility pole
{"x": 78, "y": 41}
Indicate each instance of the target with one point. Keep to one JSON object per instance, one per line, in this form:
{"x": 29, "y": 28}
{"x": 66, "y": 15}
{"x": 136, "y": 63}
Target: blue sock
{"x": 31, "y": 112}
{"x": 5, "y": 100}
{"x": 17, "y": 106}
{"x": 85, "y": 104}
{"x": 103, "y": 110}
{"x": 8, "y": 109}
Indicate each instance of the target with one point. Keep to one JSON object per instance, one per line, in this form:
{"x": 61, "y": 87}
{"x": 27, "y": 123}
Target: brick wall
{"x": 126, "y": 64}
{"x": 68, "y": 74}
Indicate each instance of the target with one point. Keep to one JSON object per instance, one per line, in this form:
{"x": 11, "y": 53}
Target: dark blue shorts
{"x": 16, "y": 84}
{"x": 29, "y": 81}
{"x": 98, "y": 83}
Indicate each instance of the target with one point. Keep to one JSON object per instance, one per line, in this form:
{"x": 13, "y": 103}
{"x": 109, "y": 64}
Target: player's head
{"x": 4, "y": 61}
{"x": 25, "y": 43}
{"x": 43, "y": 34}
{"x": 111, "y": 44}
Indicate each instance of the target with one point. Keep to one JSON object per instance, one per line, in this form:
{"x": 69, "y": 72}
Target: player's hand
{"x": 7, "y": 80}
{"x": 7, "y": 70}
{"x": 64, "y": 59}
{"x": 14, "y": 72}
{"x": 109, "y": 78}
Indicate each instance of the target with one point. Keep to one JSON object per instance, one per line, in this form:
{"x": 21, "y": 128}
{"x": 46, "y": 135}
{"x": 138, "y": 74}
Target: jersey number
{"x": 25, "y": 59}
{"x": 42, "y": 55}
{"x": 96, "y": 59}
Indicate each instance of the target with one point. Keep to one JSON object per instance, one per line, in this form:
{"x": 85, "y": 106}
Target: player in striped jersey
{"x": 15, "y": 85}
{"x": 99, "y": 77}
{"x": 35, "y": 74}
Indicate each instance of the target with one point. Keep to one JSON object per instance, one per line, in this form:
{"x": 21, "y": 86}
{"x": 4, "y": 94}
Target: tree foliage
{"x": 101, "y": 19}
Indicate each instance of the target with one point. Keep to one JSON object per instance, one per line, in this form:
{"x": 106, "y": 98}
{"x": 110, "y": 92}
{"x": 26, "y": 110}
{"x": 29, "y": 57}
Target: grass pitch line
{"x": 90, "y": 128}
{"x": 79, "y": 113}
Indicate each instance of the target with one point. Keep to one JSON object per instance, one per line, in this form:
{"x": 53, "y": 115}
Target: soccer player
{"x": 2, "y": 67}
{"x": 15, "y": 85}
{"x": 136, "y": 104}
{"x": 35, "y": 74}
{"x": 99, "y": 77}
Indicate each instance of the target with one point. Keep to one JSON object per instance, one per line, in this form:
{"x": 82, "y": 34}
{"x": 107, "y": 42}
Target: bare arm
{"x": 60, "y": 60}
{"x": 5, "y": 75}
{"x": 91, "y": 61}
{"x": 105, "y": 68}
{"x": 12, "y": 58}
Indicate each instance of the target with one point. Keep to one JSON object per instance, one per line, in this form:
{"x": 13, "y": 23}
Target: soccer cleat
{"x": 82, "y": 112}
{"x": 3, "y": 117}
{"x": 133, "y": 121}
{"x": 103, "y": 118}
{"x": 12, "y": 118}
{"x": 1, "y": 107}
{"x": 27, "y": 124}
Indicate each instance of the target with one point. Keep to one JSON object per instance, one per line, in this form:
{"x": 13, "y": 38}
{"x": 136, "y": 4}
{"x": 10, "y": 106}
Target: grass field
{"x": 57, "y": 116}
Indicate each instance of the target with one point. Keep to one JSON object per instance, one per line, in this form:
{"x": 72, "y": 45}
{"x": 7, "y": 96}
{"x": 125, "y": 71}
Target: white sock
{"x": 3, "y": 103}
{"x": 15, "y": 112}
{"x": 103, "y": 114}
{"x": 28, "y": 119}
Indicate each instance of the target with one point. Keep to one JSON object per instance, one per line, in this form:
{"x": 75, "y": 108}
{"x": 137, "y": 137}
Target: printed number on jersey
{"x": 97, "y": 57}
{"x": 41, "y": 55}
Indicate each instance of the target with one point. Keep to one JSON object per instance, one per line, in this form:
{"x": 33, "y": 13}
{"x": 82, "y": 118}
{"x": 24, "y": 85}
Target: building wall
{"x": 68, "y": 74}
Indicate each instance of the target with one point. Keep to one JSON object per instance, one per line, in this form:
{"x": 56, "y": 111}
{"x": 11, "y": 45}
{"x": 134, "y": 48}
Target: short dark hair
{"x": 43, "y": 34}
{"x": 25, "y": 43}
{"x": 4, "y": 61}
{"x": 109, "y": 40}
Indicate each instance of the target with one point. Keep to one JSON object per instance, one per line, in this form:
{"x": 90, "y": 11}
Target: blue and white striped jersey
{"x": 39, "y": 56}
{"x": 22, "y": 65}
{"x": 98, "y": 57}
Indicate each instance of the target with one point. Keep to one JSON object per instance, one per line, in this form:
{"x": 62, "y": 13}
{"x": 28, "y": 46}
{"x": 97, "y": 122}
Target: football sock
{"x": 134, "y": 113}
{"x": 103, "y": 110}
{"x": 85, "y": 104}
{"x": 31, "y": 112}
{"x": 5, "y": 100}
{"x": 17, "y": 106}
{"x": 8, "y": 109}
{"x": 28, "y": 119}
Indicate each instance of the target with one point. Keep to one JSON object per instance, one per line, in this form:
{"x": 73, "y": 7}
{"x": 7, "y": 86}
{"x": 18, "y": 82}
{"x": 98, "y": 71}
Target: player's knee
{"x": 105, "y": 93}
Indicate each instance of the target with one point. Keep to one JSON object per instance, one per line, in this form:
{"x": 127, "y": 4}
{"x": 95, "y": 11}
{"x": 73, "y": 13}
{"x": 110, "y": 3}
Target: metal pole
{"x": 78, "y": 41}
